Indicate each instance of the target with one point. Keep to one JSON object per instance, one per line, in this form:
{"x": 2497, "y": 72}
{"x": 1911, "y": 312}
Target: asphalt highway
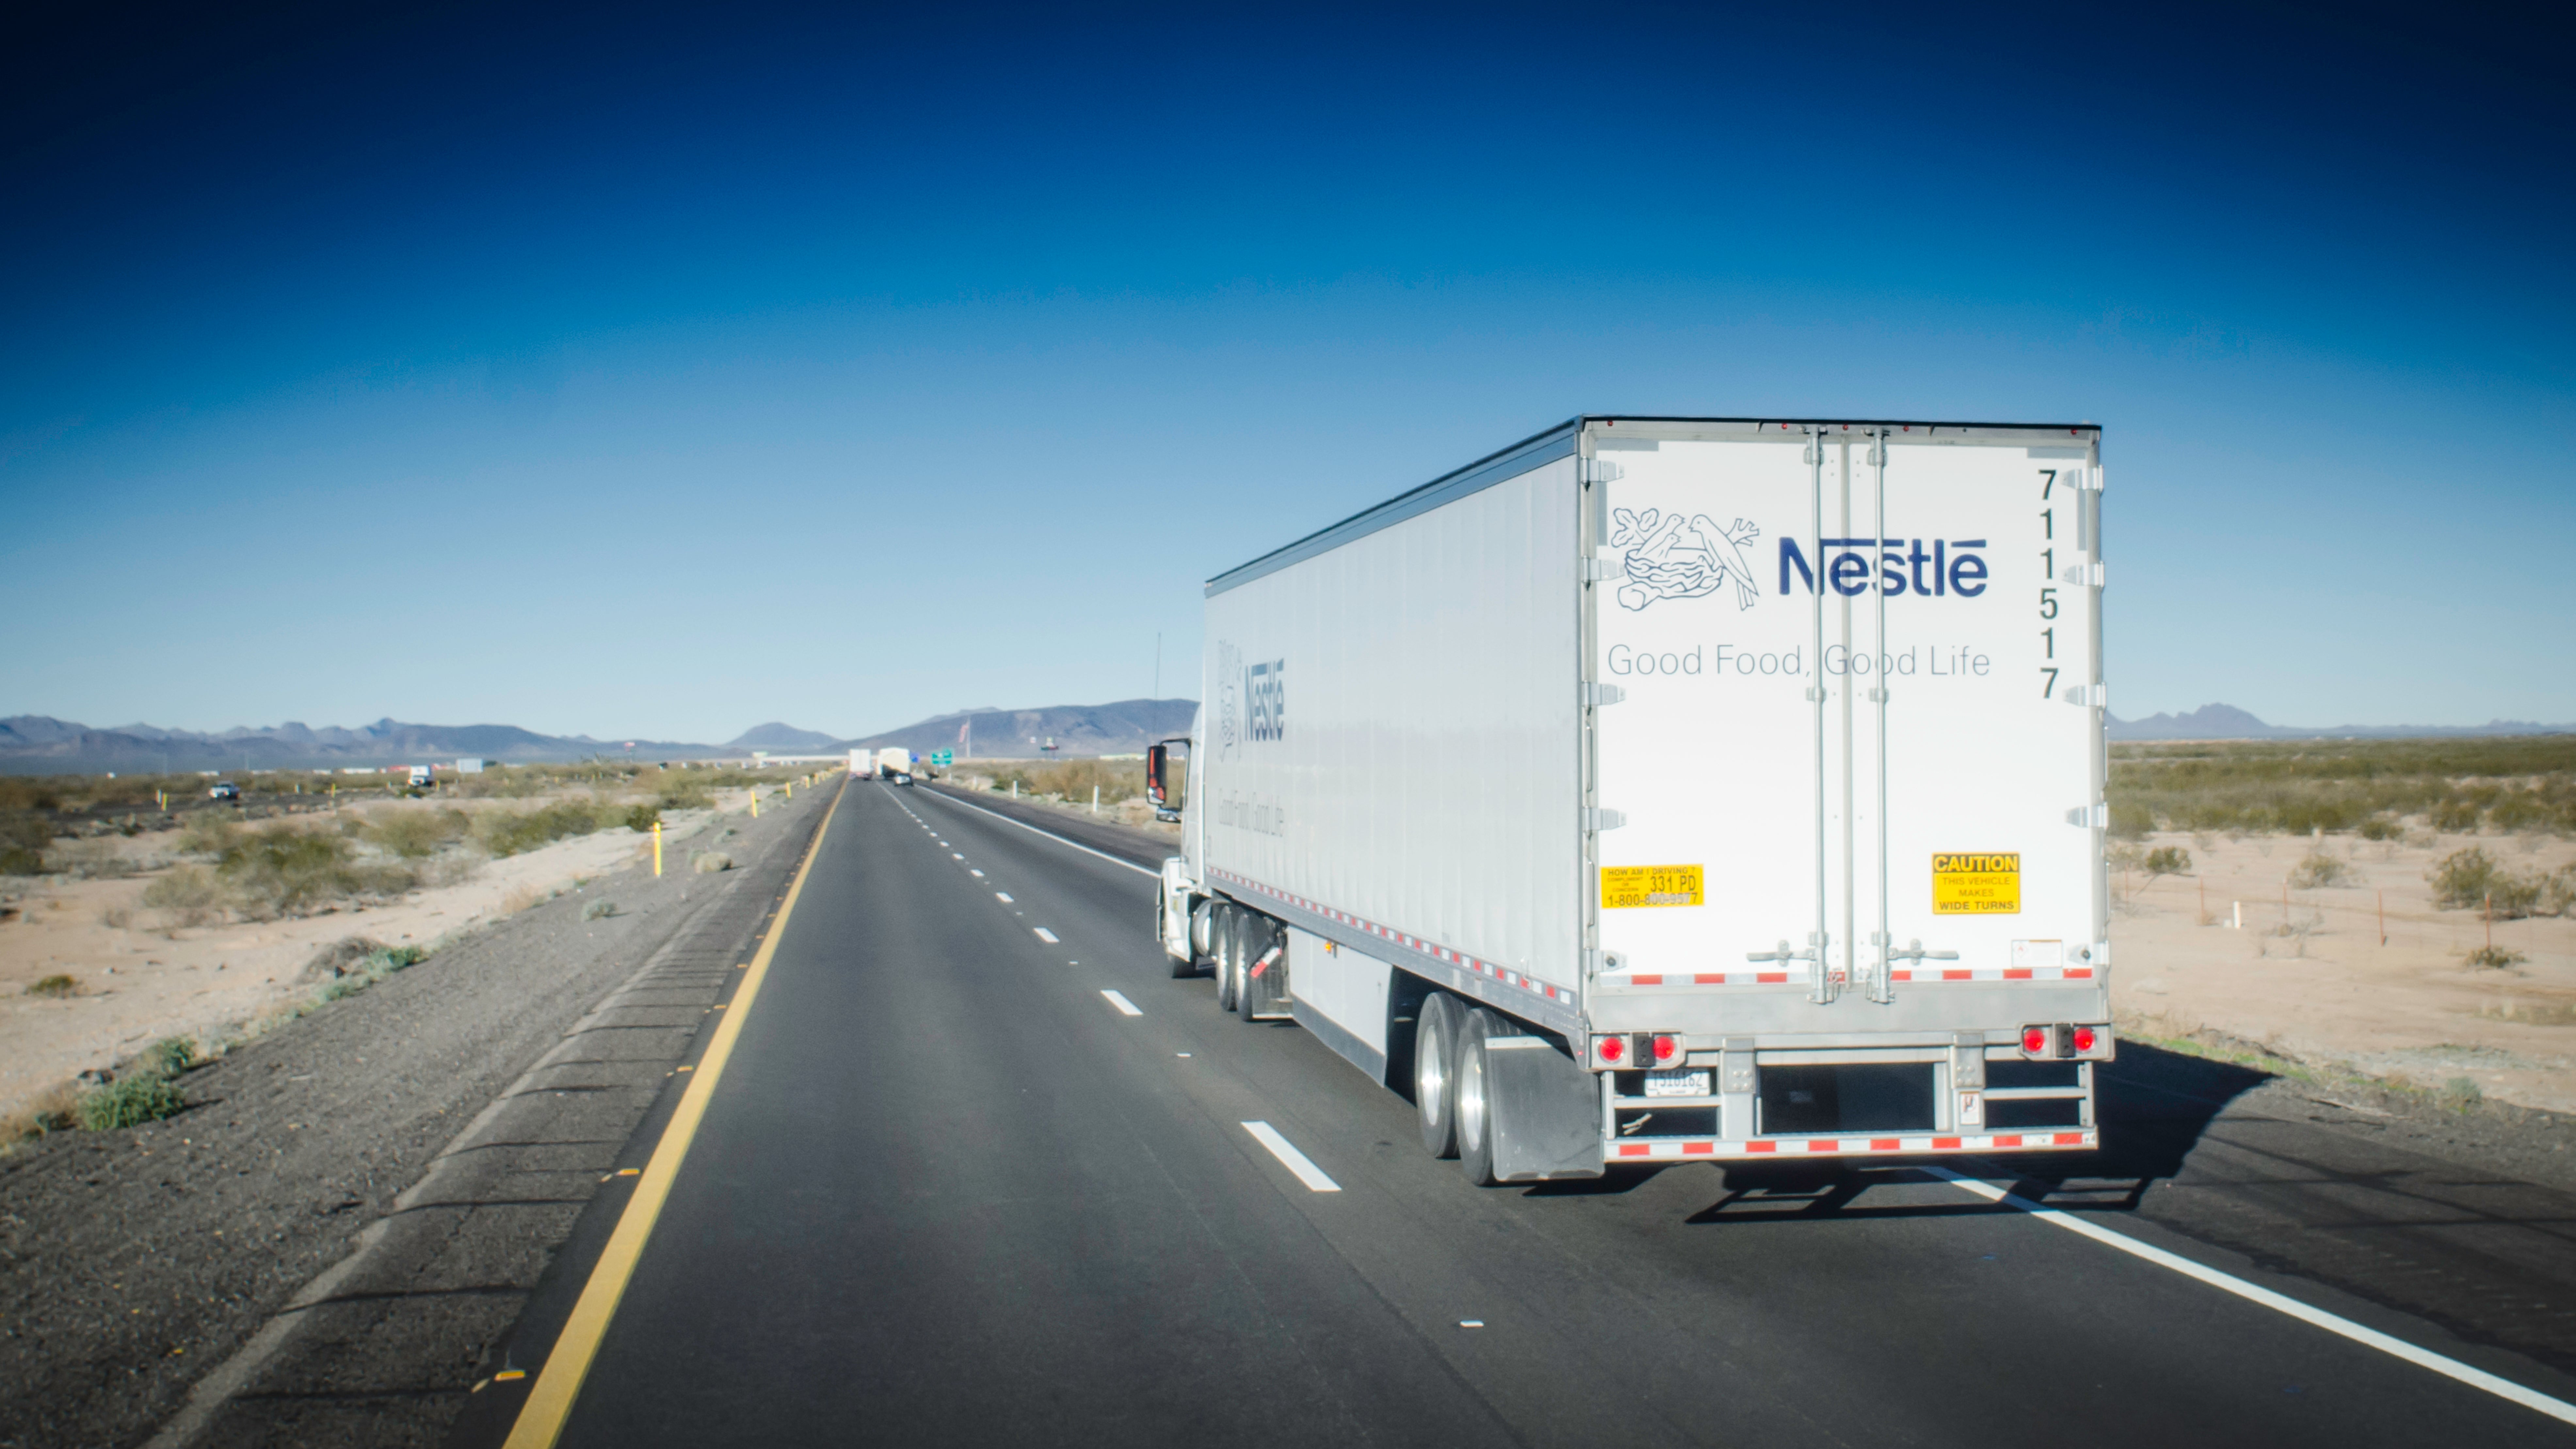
{"x": 978, "y": 1171}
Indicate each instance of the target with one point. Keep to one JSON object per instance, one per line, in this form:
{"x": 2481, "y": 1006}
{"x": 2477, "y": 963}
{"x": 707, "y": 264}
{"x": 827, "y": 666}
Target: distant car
{"x": 903, "y": 779}
{"x": 224, "y": 790}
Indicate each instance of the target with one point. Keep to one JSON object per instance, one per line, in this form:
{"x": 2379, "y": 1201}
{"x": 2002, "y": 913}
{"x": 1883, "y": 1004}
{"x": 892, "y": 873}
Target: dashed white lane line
{"x": 1003, "y": 896}
{"x": 1044, "y": 934}
{"x": 970, "y": 870}
{"x": 1125, "y": 1007}
{"x": 1292, "y": 1159}
{"x": 1051, "y": 835}
{"x": 953, "y": 855}
{"x": 2476, "y": 1378}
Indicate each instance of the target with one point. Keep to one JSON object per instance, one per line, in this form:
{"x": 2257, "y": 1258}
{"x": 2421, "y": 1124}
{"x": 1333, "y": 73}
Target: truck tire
{"x": 1435, "y": 1073}
{"x": 1475, "y": 1108}
{"x": 1229, "y": 948}
{"x": 1258, "y": 934}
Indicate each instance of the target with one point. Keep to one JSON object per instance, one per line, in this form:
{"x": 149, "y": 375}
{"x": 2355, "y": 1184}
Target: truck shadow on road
{"x": 2154, "y": 1107}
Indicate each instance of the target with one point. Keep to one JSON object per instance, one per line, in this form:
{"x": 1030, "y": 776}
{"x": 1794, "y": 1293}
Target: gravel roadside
{"x": 504, "y": 1075}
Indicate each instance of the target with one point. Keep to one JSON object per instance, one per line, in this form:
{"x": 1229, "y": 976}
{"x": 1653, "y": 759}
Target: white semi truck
{"x": 1666, "y": 789}
{"x": 896, "y": 763}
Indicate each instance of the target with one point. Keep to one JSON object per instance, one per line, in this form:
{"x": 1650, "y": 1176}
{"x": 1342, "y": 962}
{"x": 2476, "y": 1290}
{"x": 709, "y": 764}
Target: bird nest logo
{"x": 1670, "y": 558}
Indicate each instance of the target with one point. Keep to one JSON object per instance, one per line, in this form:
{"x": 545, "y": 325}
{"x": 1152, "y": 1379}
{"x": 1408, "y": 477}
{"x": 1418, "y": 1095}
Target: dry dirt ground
{"x": 141, "y": 977}
{"x": 2309, "y": 976}
{"x": 329, "y": 1245}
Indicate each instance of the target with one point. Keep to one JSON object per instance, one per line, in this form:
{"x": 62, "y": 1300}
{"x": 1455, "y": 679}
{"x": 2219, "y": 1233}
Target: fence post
{"x": 657, "y": 849}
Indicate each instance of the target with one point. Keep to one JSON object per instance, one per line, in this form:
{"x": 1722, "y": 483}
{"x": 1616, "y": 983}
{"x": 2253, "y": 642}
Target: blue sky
{"x": 664, "y": 371}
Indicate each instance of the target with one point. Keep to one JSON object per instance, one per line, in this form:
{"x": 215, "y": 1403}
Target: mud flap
{"x": 1546, "y": 1111}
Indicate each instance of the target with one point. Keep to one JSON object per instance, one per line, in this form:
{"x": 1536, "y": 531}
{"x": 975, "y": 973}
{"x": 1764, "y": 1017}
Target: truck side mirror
{"x": 1154, "y": 758}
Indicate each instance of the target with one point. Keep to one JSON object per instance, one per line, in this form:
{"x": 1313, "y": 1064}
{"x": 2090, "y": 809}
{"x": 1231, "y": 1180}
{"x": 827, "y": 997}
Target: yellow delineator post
{"x": 657, "y": 849}
{"x": 755, "y": 802}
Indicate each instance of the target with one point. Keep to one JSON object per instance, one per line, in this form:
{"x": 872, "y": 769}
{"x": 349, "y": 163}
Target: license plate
{"x": 1677, "y": 1084}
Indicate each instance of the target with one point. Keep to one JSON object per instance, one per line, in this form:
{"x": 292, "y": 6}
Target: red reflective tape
{"x": 1647, "y": 980}
{"x": 1900, "y": 976}
{"x": 1822, "y": 1144}
{"x": 1698, "y": 1148}
{"x": 1634, "y": 1149}
{"x": 1945, "y": 1143}
{"x": 1761, "y": 1146}
{"x": 1884, "y": 1144}
{"x": 1958, "y": 975}
{"x": 2013, "y": 1141}
{"x": 1707, "y": 978}
{"x": 2016, "y": 973}
{"x": 2070, "y": 1139}
{"x": 2077, "y": 973}
{"x": 1771, "y": 978}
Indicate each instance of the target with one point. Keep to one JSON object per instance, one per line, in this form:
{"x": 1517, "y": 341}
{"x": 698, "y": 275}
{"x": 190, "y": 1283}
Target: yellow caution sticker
{"x": 1624, "y": 886}
{"x": 1976, "y": 884}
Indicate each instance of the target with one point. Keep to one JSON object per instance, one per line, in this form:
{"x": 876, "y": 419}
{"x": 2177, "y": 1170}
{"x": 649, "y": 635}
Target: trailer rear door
{"x": 1857, "y": 744}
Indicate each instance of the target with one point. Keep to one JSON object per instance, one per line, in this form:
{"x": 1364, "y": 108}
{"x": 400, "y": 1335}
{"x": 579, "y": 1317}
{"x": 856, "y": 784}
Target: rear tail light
{"x": 1610, "y": 1051}
{"x": 1669, "y": 1051}
{"x": 2063, "y": 1040}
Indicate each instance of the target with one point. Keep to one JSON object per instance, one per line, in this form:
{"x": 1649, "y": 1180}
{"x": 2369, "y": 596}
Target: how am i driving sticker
{"x": 1626, "y": 886}
{"x": 1967, "y": 883}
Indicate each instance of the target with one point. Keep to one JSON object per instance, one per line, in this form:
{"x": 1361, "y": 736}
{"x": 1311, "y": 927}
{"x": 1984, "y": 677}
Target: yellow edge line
{"x": 541, "y": 1419}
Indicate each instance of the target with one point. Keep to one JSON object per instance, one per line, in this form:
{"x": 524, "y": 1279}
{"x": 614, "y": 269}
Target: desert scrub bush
{"x": 2339, "y": 785}
{"x": 171, "y": 1055}
{"x": 367, "y": 970}
{"x": 415, "y": 834}
{"x": 283, "y": 871}
{"x": 2496, "y": 957}
{"x": 95, "y": 859}
{"x": 2471, "y": 879}
{"x": 207, "y": 832}
{"x": 130, "y": 1102}
{"x": 2383, "y": 827}
{"x": 2166, "y": 860}
{"x": 1072, "y": 780}
{"x": 642, "y": 818}
{"x": 503, "y": 834}
{"x": 190, "y": 893}
{"x": 57, "y": 986}
{"x": 24, "y": 835}
{"x": 2320, "y": 870}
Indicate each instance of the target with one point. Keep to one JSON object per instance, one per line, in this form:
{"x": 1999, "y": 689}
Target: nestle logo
{"x": 1265, "y": 700}
{"x": 1956, "y": 566}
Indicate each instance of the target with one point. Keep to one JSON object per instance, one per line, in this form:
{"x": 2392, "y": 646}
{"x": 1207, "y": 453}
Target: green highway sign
{"x": 943, "y": 757}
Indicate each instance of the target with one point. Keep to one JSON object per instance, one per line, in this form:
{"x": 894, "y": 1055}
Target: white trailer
{"x": 895, "y": 763}
{"x": 1662, "y": 789}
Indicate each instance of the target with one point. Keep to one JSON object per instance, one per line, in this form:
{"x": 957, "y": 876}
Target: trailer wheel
{"x": 1247, "y": 949}
{"x": 1229, "y": 952}
{"x": 1435, "y": 1074}
{"x": 1475, "y": 1109}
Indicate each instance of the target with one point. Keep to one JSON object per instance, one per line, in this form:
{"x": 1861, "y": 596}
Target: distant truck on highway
{"x": 1675, "y": 789}
{"x": 896, "y": 765}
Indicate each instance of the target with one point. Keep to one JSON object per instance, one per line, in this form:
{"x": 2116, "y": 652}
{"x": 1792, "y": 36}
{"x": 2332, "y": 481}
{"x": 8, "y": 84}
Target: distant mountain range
{"x": 2227, "y": 722}
{"x": 39, "y": 745}
{"x": 1123, "y": 728}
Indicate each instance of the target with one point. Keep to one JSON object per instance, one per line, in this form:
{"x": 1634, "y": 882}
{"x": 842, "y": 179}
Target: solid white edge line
{"x": 2452, "y": 1368}
{"x": 1290, "y": 1158}
{"x": 1125, "y": 1007}
{"x": 1051, "y": 835}
{"x": 1046, "y": 935}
